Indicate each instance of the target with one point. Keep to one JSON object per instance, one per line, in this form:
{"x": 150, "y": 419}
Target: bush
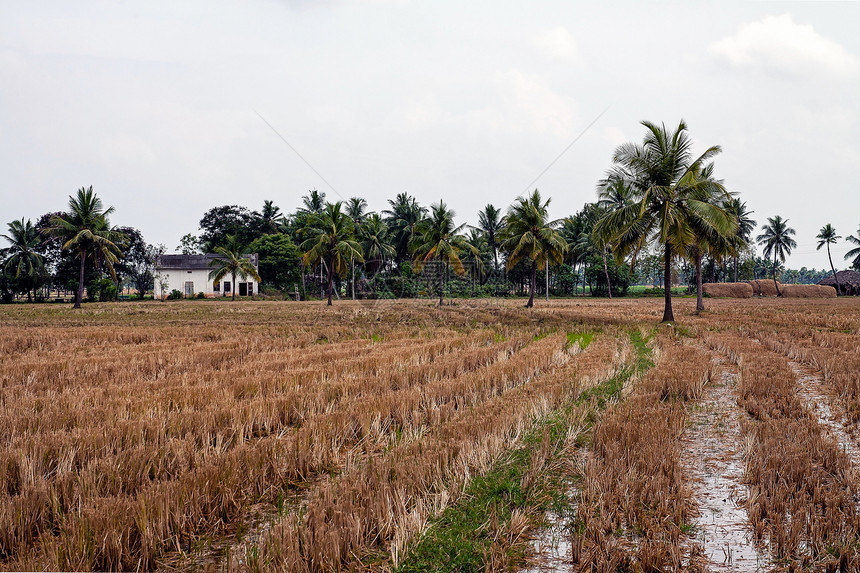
{"x": 175, "y": 294}
{"x": 200, "y": 295}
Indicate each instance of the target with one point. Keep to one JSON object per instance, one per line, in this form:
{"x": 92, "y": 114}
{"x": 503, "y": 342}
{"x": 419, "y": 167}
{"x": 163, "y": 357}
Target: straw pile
{"x": 808, "y": 291}
{"x": 728, "y": 290}
{"x": 764, "y": 287}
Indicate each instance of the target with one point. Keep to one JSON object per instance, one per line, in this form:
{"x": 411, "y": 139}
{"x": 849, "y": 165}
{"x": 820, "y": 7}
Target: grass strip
{"x": 486, "y": 526}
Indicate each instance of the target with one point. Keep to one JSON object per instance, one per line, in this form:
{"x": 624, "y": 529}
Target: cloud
{"x": 558, "y": 44}
{"x": 777, "y": 43}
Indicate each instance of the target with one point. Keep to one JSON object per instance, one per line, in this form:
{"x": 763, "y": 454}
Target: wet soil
{"x": 713, "y": 459}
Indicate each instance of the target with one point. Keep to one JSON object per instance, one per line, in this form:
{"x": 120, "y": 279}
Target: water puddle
{"x": 713, "y": 458}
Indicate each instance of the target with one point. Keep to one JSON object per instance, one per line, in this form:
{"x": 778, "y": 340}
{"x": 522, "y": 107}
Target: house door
{"x": 243, "y": 289}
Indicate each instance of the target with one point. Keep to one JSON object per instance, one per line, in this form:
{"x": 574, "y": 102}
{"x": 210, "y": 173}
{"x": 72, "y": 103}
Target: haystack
{"x": 728, "y": 290}
{"x": 808, "y": 291}
{"x": 764, "y": 287}
{"x": 848, "y": 280}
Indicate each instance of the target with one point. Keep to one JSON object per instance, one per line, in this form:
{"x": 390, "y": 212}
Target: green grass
{"x": 462, "y": 537}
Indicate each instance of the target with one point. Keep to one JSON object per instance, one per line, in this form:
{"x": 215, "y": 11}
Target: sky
{"x": 162, "y": 106}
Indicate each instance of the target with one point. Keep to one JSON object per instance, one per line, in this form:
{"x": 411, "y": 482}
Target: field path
{"x": 713, "y": 459}
{"x": 830, "y": 414}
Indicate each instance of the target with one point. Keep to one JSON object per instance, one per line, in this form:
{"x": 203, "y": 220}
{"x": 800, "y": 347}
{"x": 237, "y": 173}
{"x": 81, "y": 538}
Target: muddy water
{"x": 713, "y": 458}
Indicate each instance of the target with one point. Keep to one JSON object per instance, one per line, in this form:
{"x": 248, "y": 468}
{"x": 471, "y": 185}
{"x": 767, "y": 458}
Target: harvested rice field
{"x": 580, "y": 435}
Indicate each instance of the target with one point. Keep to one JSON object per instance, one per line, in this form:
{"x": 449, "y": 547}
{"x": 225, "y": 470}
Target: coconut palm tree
{"x": 332, "y": 242}
{"x": 661, "y": 174}
{"x": 739, "y": 212}
{"x": 437, "y": 240}
{"x": 827, "y": 236}
{"x": 373, "y": 235}
{"x": 402, "y": 219}
{"x": 777, "y": 241}
{"x": 86, "y": 230}
{"x": 355, "y": 208}
{"x": 529, "y": 234}
{"x": 271, "y": 217}
{"x": 855, "y": 252}
{"x": 491, "y": 222}
{"x": 24, "y": 239}
{"x": 313, "y": 202}
{"x": 232, "y": 260}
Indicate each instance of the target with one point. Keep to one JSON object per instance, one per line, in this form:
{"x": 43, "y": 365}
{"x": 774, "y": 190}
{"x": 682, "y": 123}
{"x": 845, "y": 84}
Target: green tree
{"x": 313, "y": 203}
{"x": 402, "y": 219}
{"x": 375, "y": 246}
{"x": 279, "y": 262}
{"x": 530, "y": 235}
{"x": 355, "y": 208}
{"x": 855, "y": 252}
{"x": 438, "y": 240}
{"x": 270, "y": 218}
{"x": 746, "y": 225}
{"x": 661, "y": 174}
{"x": 827, "y": 236}
{"x": 777, "y": 241}
{"x": 231, "y": 260}
{"x": 331, "y": 241}
{"x": 491, "y": 222}
{"x": 22, "y": 256}
{"x": 138, "y": 261}
{"x": 86, "y": 230}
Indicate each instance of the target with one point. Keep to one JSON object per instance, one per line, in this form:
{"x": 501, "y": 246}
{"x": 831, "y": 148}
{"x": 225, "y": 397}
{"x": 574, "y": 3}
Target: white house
{"x": 189, "y": 274}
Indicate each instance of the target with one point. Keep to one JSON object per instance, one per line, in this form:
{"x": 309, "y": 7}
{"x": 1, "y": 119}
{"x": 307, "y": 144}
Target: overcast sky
{"x": 153, "y": 103}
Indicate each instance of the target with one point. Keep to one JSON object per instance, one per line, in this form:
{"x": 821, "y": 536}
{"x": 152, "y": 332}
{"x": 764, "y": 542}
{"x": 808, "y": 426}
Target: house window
{"x": 250, "y": 289}
{"x": 216, "y": 286}
{"x": 226, "y": 287}
{"x": 189, "y": 288}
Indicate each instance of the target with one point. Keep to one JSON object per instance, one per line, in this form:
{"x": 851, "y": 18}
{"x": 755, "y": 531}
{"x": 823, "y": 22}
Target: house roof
{"x": 845, "y": 278}
{"x": 193, "y": 262}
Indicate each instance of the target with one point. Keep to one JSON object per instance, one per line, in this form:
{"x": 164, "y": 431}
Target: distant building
{"x": 189, "y": 274}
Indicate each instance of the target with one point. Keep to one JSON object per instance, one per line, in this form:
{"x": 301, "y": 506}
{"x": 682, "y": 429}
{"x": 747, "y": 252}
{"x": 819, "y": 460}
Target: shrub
{"x": 200, "y": 295}
{"x": 175, "y": 294}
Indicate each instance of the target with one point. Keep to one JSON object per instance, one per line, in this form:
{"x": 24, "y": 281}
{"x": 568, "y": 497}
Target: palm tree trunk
{"x": 838, "y": 288}
{"x": 668, "y": 316}
{"x": 80, "y": 294}
{"x": 606, "y": 272}
{"x": 352, "y": 262}
{"x": 700, "y": 304}
{"x": 773, "y": 273}
{"x": 441, "y": 284}
{"x": 736, "y": 269}
{"x": 531, "y": 301}
{"x": 547, "y": 280}
{"x": 330, "y": 280}
{"x": 234, "y": 287}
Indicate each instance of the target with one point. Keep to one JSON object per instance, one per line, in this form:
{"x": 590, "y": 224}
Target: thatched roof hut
{"x": 848, "y": 280}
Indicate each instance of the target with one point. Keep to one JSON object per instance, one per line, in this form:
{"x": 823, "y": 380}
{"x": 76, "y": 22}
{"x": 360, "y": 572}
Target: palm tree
{"x": 271, "y": 218}
{"x": 529, "y": 234}
{"x": 402, "y": 219}
{"x": 438, "y": 240}
{"x": 375, "y": 247}
{"x": 855, "y": 252}
{"x": 777, "y": 241}
{"x": 491, "y": 222}
{"x": 24, "y": 239}
{"x": 707, "y": 239}
{"x": 313, "y": 202}
{"x": 827, "y": 236}
{"x": 661, "y": 175}
{"x": 87, "y": 230}
{"x": 232, "y": 260}
{"x": 355, "y": 208}
{"x": 332, "y": 242}
{"x": 738, "y": 210}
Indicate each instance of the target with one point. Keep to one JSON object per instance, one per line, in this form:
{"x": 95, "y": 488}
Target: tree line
{"x": 661, "y": 217}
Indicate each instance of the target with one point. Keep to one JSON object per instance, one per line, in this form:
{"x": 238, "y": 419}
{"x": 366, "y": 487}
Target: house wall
{"x": 176, "y": 279}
